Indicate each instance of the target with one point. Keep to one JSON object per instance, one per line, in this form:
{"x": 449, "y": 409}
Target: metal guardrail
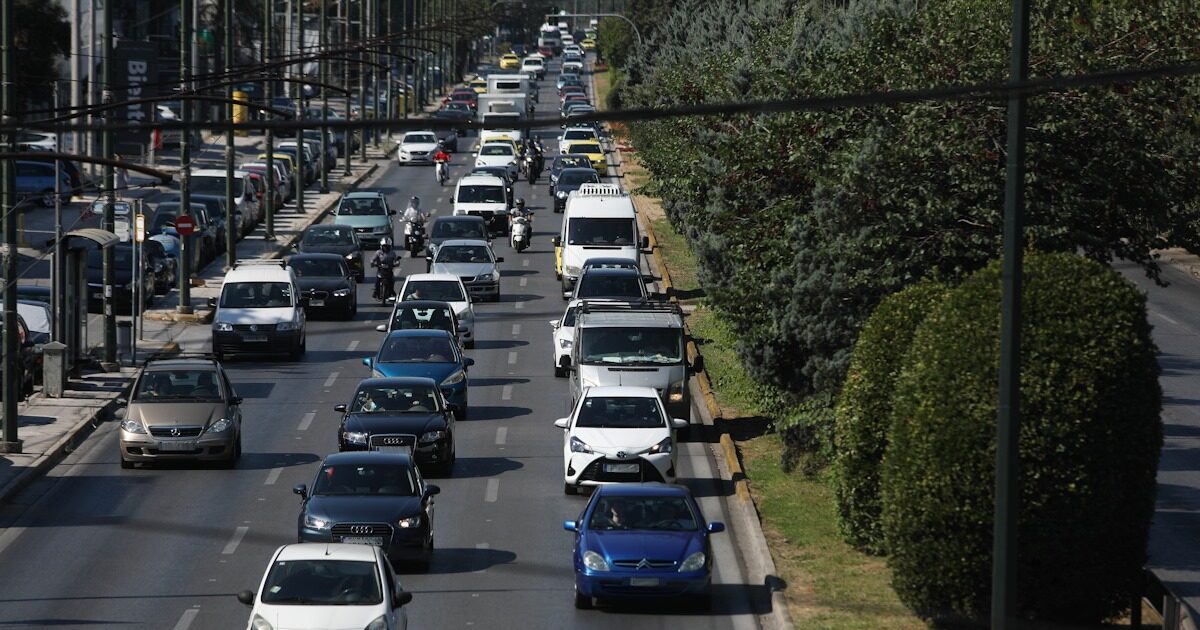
{"x": 1175, "y": 613}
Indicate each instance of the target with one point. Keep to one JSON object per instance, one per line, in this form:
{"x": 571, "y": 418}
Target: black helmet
{"x": 521, "y": 202}
{"x": 415, "y": 201}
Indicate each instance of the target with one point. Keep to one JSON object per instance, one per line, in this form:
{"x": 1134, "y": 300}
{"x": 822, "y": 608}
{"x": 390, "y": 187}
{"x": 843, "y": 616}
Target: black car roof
{"x": 613, "y": 271}
{"x": 463, "y": 218}
{"x": 420, "y": 304}
{"x": 352, "y": 458}
{"x": 396, "y": 380}
{"x": 311, "y": 256}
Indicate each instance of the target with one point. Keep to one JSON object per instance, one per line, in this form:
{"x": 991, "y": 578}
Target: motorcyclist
{"x": 441, "y": 163}
{"x": 537, "y": 160}
{"x": 521, "y": 213}
{"x": 385, "y": 261}
{"x": 412, "y": 214}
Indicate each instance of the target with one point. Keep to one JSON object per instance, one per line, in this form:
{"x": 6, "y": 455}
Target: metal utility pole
{"x": 348, "y": 134}
{"x": 404, "y": 63}
{"x": 58, "y": 290}
{"x": 230, "y": 147}
{"x": 268, "y": 26}
{"x": 11, "y": 388}
{"x": 323, "y": 39}
{"x": 362, "y": 79}
{"x": 108, "y": 222}
{"x": 185, "y": 155}
{"x": 1008, "y": 460}
{"x": 299, "y": 109}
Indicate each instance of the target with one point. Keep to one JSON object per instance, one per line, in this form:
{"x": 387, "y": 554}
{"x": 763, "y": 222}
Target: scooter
{"x": 414, "y": 238}
{"x": 521, "y": 229}
{"x": 442, "y": 172}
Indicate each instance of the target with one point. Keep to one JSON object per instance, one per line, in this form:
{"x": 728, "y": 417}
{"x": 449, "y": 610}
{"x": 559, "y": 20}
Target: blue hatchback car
{"x": 425, "y": 353}
{"x": 637, "y": 541}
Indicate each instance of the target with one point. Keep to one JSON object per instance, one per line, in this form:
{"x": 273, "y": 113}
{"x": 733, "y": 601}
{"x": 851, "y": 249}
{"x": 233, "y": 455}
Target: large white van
{"x": 483, "y": 196}
{"x": 260, "y": 311}
{"x": 599, "y": 220}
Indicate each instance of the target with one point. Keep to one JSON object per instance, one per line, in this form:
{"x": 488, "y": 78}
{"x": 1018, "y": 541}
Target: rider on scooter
{"x": 520, "y": 212}
{"x": 412, "y": 214}
{"x": 385, "y": 261}
{"x": 441, "y": 163}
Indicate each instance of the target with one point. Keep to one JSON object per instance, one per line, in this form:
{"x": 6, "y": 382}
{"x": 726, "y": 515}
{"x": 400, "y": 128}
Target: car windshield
{"x": 329, "y": 236}
{"x": 480, "y": 194}
{"x": 578, "y": 178}
{"x": 395, "y": 399}
{"x": 458, "y": 106}
{"x": 459, "y": 229}
{"x": 580, "y": 134}
{"x": 214, "y": 185}
{"x": 420, "y": 138}
{"x": 402, "y": 349}
{"x": 645, "y": 513}
{"x": 440, "y": 290}
{"x": 572, "y": 161}
{"x": 464, "y": 254}
{"x": 631, "y": 346}
{"x": 406, "y": 318}
{"x": 362, "y": 206}
{"x": 169, "y": 385}
{"x": 388, "y": 479}
{"x": 619, "y": 412}
{"x": 318, "y": 267}
{"x": 496, "y": 148}
{"x": 322, "y": 582}
{"x": 584, "y": 147}
{"x": 256, "y": 295}
{"x": 593, "y": 285}
{"x": 600, "y": 231}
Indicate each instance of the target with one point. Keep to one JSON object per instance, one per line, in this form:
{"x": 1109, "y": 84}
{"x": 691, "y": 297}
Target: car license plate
{"x": 316, "y": 302}
{"x": 393, "y": 449}
{"x": 644, "y": 581}
{"x": 363, "y": 540}
{"x": 621, "y": 468}
{"x": 176, "y": 447}
{"x": 254, "y": 338}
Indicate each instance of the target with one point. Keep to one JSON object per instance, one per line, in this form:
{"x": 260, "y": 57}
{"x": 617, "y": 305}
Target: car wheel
{"x": 48, "y": 199}
{"x": 469, "y": 345}
{"x": 570, "y": 489}
{"x": 560, "y": 372}
{"x": 126, "y": 464}
{"x": 702, "y": 603}
{"x": 583, "y": 602}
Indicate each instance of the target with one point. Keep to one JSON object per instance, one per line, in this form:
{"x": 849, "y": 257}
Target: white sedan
{"x": 417, "y": 147}
{"x": 498, "y": 154}
{"x": 328, "y": 585}
{"x": 618, "y": 435}
{"x": 444, "y": 287}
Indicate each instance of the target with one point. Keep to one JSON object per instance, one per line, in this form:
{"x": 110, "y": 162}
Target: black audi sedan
{"x": 400, "y": 414}
{"x": 372, "y": 498}
{"x": 334, "y": 238}
{"x": 327, "y": 282}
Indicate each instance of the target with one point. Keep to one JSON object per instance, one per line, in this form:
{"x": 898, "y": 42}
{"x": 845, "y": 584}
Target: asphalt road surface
{"x": 92, "y": 545}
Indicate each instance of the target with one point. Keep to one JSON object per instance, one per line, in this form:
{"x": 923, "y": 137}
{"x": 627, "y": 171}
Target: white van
{"x": 260, "y": 311}
{"x": 599, "y": 220}
{"x": 483, "y": 196}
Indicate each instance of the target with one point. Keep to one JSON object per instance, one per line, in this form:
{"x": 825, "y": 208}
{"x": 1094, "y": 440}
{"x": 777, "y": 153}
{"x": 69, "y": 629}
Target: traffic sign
{"x": 185, "y": 225}
{"x": 121, "y": 228}
{"x": 139, "y": 227}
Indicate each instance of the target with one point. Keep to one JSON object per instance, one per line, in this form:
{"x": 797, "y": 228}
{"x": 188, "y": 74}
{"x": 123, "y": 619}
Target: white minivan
{"x": 600, "y": 220}
{"x": 483, "y": 196}
{"x": 260, "y": 311}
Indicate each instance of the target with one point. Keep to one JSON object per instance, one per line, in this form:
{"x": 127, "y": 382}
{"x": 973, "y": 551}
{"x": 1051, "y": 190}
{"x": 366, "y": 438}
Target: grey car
{"x": 473, "y": 261}
{"x": 369, "y": 215}
{"x": 181, "y": 408}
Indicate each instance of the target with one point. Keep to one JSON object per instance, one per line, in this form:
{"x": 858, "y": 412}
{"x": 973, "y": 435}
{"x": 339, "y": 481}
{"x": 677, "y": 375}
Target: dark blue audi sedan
{"x": 636, "y": 541}
{"x": 406, "y": 415}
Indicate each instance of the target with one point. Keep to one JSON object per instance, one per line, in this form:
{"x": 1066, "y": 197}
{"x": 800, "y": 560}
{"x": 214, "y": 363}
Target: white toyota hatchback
{"x": 618, "y": 435}
{"x": 328, "y": 586}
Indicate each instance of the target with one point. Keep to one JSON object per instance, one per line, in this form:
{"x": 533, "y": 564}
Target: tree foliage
{"x": 42, "y": 36}
{"x": 1090, "y": 436}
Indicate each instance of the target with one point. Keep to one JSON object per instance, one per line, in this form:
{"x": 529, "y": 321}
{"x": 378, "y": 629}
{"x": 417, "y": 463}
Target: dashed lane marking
{"x": 306, "y": 420}
{"x": 516, "y": 330}
{"x": 482, "y": 546}
{"x": 506, "y": 393}
{"x": 519, "y": 305}
{"x": 501, "y": 435}
{"x": 186, "y": 619}
{"x": 273, "y": 476}
{"x": 238, "y": 535}
{"x": 512, "y": 358}
{"x": 332, "y": 377}
{"x": 525, "y": 263}
{"x": 524, "y": 281}
{"x": 353, "y": 346}
{"x": 493, "y": 490}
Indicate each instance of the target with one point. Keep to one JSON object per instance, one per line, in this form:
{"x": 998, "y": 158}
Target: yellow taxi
{"x": 479, "y": 85}
{"x": 510, "y": 62}
{"x": 594, "y": 151}
{"x": 588, "y": 44}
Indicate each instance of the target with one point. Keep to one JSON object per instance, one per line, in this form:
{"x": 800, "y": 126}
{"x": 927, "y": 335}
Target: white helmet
{"x": 385, "y": 243}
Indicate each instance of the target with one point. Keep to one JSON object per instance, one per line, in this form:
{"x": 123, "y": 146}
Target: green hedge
{"x": 1089, "y": 442}
{"x": 864, "y": 410}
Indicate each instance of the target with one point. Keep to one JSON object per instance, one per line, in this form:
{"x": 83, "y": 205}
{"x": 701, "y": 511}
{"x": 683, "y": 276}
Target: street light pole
{"x": 299, "y": 108}
{"x": 268, "y": 27}
{"x": 109, "y": 224}
{"x": 323, "y": 40}
{"x": 230, "y": 147}
{"x": 9, "y": 443}
{"x": 362, "y": 79}
{"x": 185, "y": 155}
{"x": 348, "y": 134}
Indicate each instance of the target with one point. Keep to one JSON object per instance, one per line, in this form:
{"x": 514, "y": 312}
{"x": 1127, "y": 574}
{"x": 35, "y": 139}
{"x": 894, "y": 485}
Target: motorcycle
{"x": 522, "y": 228}
{"x": 414, "y": 238}
{"x": 385, "y": 282}
{"x": 442, "y": 172}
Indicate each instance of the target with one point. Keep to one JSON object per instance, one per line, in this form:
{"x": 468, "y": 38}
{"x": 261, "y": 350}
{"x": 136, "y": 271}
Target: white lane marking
{"x": 332, "y": 377}
{"x": 185, "y": 620}
{"x": 501, "y": 436}
{"x": 516, "y": 329}
{"x": 506, "y": 393}
{"x": 512, "y": 358}
{"x": 353, "y": 346}
{"x": 273, "y": 476}
{"x": 306, "y": 420}
{"x": 518, "y": 305}
{"x": 493, "y": 489}
{"x": 525, "y": 263}
{"x": 1167, "y": 318}
{"x": 524, "y": 281}
{"x": 238, "y": 535}
{"x": 439, "y": 200}
{"x": 483, "y": 570}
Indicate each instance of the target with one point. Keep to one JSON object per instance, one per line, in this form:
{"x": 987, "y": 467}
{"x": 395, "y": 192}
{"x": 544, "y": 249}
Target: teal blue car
{"x": 368, "y": 213}
{"x": 425, "y": 353}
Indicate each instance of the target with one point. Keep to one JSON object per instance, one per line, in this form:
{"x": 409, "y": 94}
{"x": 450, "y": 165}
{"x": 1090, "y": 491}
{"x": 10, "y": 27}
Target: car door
{"x": 392, "y": 584}
{"x": 427, "y": 502}
{"x": 234, "y": 410}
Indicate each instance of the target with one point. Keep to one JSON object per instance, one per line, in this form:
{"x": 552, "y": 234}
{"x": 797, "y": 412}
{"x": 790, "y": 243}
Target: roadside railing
{"x": 1174, "y": 612}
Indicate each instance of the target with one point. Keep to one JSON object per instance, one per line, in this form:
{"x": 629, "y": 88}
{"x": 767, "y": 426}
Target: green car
{"x": 368, "y": 213}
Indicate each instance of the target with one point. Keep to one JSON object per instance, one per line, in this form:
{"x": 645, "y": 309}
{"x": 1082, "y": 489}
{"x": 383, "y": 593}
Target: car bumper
{"x": 403, "y": 545}
{"x": 261, "y": 342}
{"x": 414, "y": 159}
{"x": 141, "y": 447}
{"x": 485, "y": 289}
{"x": 425, "y": 453}
{"x": 591, "y": 469}
{"x": 370, "y": 239}
{"x": 629, "y": 585}
{"x": 330, "y": 304}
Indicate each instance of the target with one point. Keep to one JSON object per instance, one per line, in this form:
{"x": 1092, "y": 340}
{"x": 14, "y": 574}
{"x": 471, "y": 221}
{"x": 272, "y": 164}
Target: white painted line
{"x": 185, "y": 621}
{"x": 518, "y": 305}
{"x": 332, "y": 377}
{"x": 440, "y": 199}
{"x": 484, "y": 569}
{"x": 353, "y": 346}
{"x": 524, "y": 281}
{"x": 512, "y": 358}
{"x": 1166, "y": 318}
{"x": 516, "y": 330}
{"x": 238, "y": 535}
{"x": 525, "y": 263}
{"x": 273, "y": 476}
{"x": 501, "y": 436}
{"x": 506, "y": 393}
{"x": 306, "y": 420}
{"x": 493, "y": 489}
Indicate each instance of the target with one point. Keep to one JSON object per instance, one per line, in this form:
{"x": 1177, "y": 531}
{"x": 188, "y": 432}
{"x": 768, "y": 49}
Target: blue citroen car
{"x": 637, "y": 541}
{"x": 426, "y": 353}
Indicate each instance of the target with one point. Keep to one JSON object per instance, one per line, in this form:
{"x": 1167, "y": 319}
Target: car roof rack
{"x": 599, "y": 190}
{"x": 265, "y": 262}
{"x": 647, "y": 306}
{"x": 169, "y": 356}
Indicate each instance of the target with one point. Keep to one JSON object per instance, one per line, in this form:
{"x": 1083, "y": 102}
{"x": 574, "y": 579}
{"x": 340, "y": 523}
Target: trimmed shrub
{"x": 864, "y": 410}
{"x": 1089, "y": 442}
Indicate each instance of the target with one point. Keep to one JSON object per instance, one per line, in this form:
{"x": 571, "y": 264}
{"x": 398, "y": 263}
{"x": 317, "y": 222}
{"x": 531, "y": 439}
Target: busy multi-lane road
{"x": 93, "y": 545}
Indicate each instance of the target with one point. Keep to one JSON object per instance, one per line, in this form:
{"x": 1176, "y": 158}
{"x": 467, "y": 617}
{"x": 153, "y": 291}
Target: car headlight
{"x": 676, "y": 393}
{"x": 220, "y": 425}
{"x": 341, "y": 292}
{"x": 561, "y": 194}
{"x": 571, "y": 270}
{"x": 315, "y": 522}
{"x": 403, "y": 153}
{"x": 258, "y": 623}
{"x": 484, "y": 277}
{"x": 409, "y": 523}
{"x": 130, "y": 425}
{"x": 455, "y": 378}
{"x": 350, "y": 256}
{"x": 355, "y": 437}
{"x": 379, "y": 623}
{"x": 480, "y": 163}
{"x": 595, "y": 561}
{"x": 579, "y": 446}
{"x": 285, "y": 326}
{"x": 223, "y": 327}
{"x": 662, "y": 447}
{"x": 432, "y": 436}
{"x": 380, "y": 229}
{"x": 694, "y": 562}
{"x": 565, "y": 344}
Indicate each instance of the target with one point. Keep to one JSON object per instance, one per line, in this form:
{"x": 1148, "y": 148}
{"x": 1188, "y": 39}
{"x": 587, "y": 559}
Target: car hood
{"x": 363, "y": 508}
{"x": 494, "y": 160}
{"x": 636, "y": 545}
{"x": 340, "y": 250}
{"x": 254, "y": 315}
{"x": 364, "y": 220}
{"x": 631, "y": 441}
{"x": 463, "y": 269}
{"x": 322, "y": 283}
{"x": 639, "y": 376}
{"x": 466, "y": 208}
{"x": 405, "y": 423}
{"x": 176, "y": 414}
{"x": 288, "y": 617}
{"x": 418, "y": 146}
{"x": 436, "y": 371}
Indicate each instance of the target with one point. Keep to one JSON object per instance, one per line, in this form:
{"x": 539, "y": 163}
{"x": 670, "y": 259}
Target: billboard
{"x": 134, "y": 73}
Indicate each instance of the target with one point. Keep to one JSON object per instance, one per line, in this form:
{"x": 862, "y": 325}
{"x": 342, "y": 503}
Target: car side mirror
{"x": 235, "y": 400}
{"x": 645, "y": 242}
{"x": 499, "y": 259}
{"x": 468, "y": 361}
{"x": 122, "y": 402}
{"x": 381, "y": 328}
{"x": 212, "y": 302}
{"x": 400, "y": 598}
{"x": 391, "y": 212}
{"x": 367, "y": 361}
{"x": 340, "y": 408}
{"x": 554, "y": 323}
{"x": 698, "y": 363}
{"x": 557, "y": 241}
{"x": 301, "y": 490}
{"x": 571, "y": 526}
{"x": 246, "y": 597}
{"x": 715, "y": 527}
{"x": 303, "y": 300}
{"x": 679, "y": 423}
{"x": 431, "y": 490}
{"x": 562, "y": 422}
